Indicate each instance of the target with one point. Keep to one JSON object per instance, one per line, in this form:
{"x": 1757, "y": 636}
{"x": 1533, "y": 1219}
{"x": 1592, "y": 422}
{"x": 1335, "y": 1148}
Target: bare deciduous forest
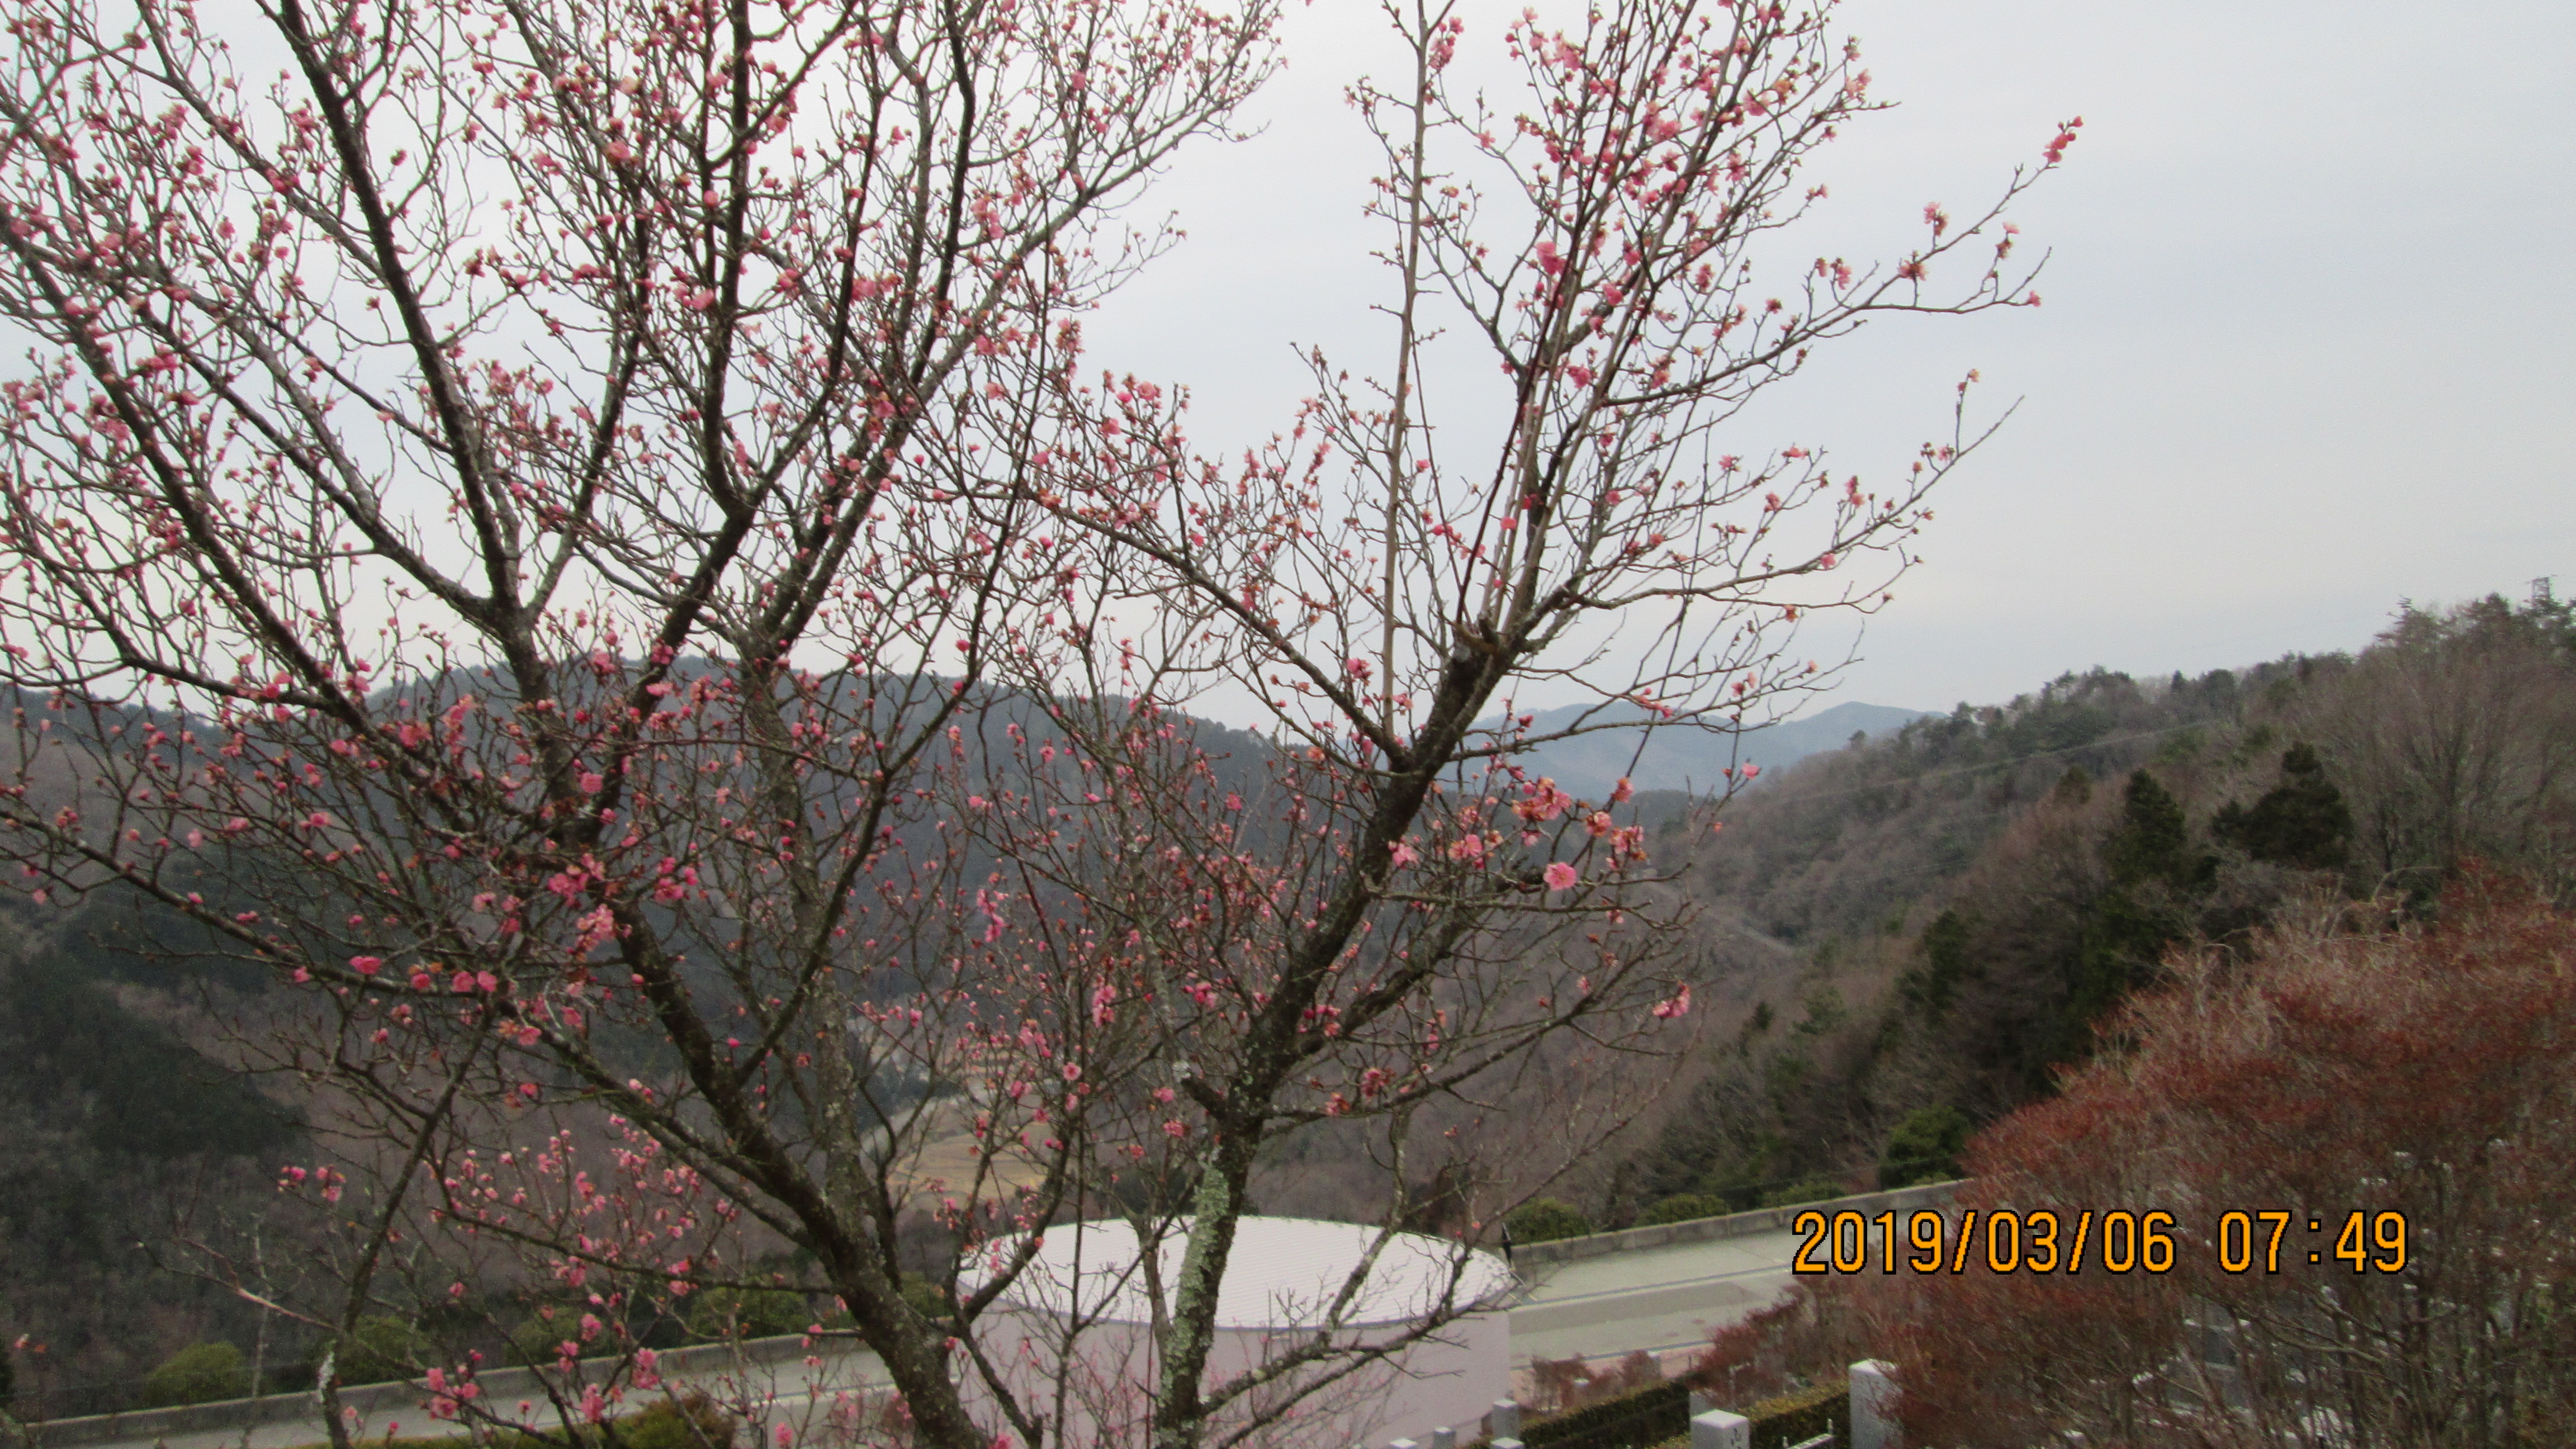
{"x": 1903, "y": 940}
{"x": 1918, "y": 932}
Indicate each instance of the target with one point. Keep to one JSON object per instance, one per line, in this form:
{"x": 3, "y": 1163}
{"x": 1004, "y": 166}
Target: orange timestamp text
{"x": 2115, "y": 1240}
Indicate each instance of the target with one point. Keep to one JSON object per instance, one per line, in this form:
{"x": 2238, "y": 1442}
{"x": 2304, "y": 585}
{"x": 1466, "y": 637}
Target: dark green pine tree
{"x": 2125, "y": 929}
{"x": 1924, "y": 1148}
{"x": 2302, "y": 822}
{"x": 1930, "y": 987}
{"x": 2152, "y": 840}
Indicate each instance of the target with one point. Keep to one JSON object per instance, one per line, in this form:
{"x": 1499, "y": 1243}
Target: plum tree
{"x": 588, "y": 519}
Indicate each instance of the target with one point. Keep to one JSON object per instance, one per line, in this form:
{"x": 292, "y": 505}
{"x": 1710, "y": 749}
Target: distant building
{"x": 1074, "y": 1334}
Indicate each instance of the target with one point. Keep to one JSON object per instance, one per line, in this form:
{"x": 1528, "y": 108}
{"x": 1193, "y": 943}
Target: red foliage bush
{"x": 2423, "y": 1071}
{"x": 1804, "y": 1338}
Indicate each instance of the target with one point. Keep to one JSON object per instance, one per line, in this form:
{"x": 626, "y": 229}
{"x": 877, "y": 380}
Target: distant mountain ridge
{"x": 1682, "y": 757}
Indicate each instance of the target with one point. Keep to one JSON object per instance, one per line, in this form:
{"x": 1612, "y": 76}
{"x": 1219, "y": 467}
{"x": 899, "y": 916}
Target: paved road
{"x": 1655, "y": 1299}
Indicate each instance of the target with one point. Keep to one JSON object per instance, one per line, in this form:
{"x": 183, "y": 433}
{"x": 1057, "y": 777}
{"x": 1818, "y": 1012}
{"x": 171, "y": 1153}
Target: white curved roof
{"x": 1282, "y": 1273}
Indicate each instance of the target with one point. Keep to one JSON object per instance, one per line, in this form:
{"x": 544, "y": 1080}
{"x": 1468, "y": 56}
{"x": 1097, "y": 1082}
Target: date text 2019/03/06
{"x": 2115, "y": 1240}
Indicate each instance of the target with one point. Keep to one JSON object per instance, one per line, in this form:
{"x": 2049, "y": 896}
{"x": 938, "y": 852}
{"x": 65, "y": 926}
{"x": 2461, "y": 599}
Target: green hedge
{"x": 1631, "y": 1421}
{"x": 387, "y": 1351}
{"x": 1546, "y": 1220}
{"x": 1795, "y": 1418}
{"x": 1814, "y": 1189}
{"x": 1658, "y": 1417}
{"x": 1687, "y": 1207}
{"x": 726, "y": 1313}
{"x": 201, "y": 1373}
{"x": 694, "y": 1422}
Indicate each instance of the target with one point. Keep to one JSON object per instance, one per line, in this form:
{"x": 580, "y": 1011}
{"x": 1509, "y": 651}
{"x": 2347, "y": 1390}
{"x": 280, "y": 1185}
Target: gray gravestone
{"x": 1718, "y": 1429}
{"x": 1873, "y": 1405}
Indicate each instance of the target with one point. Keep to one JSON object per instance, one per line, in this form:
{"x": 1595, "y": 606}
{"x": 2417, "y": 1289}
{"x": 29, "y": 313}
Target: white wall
{"x": 1100, "y": 1390}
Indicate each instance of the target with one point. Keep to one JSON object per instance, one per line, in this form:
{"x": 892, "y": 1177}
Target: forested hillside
{"x": 133, "y": 1123}
{"x": 120, "y": 1129}
{"x": 1955, "y": 906}
{"x": 1903, "y": 938}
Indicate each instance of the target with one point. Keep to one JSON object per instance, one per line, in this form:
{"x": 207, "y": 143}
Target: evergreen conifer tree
{"x": 1925, "y": 1147}
{"x": 2301, "y": 822}
{"x": 2151, "y": 841}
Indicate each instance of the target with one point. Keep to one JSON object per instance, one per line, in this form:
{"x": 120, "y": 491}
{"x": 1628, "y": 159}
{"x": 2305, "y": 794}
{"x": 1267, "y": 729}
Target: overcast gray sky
{"x": 2305, "y": 348}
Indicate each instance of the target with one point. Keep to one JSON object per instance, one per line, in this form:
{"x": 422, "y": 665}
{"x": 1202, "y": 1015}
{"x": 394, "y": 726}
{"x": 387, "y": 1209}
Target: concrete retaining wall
{"x": 376, "y": 1401}
{"x": 1532, "y": 1256}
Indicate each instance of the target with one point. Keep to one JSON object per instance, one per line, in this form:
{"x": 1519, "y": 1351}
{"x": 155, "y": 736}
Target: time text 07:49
{"x": 2116, "y": 1240}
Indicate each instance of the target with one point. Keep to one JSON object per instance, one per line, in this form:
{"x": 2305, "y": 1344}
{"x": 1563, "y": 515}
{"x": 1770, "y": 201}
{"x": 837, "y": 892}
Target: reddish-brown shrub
{"x": 2428, "y": 1072}
{"x": 1806, "y": 1337}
